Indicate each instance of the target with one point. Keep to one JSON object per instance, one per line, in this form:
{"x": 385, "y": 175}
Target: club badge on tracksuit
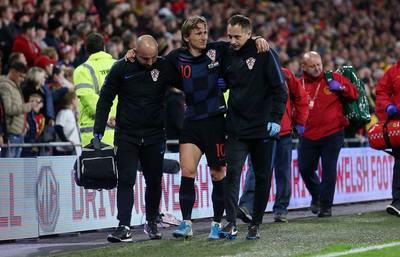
{"x": 154, "y": 74}
{"x": 250, "y": 62}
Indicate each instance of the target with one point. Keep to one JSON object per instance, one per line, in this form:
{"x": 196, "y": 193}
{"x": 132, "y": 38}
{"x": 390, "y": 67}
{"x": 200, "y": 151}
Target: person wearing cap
{"x": 25, "y": 44}
{"x": 88, "y": 80}
{"x": 47, "y": 65}
{"x": 67, "y": 55}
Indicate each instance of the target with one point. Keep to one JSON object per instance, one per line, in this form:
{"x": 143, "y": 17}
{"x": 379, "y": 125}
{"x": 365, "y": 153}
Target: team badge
{"x": 250, "y": 63}
{"x": 211, "y": 54}
{"x": 154, "y": 74}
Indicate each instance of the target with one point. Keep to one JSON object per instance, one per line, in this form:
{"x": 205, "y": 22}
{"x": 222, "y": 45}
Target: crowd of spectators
{"x": 361, "y": 33}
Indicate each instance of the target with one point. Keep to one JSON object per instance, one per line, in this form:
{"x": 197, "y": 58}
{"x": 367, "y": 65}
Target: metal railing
{"x": 348, "y": 142}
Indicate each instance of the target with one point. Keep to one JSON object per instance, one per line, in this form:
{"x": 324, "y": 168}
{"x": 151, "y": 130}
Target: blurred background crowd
{"x": 50, "y": 34}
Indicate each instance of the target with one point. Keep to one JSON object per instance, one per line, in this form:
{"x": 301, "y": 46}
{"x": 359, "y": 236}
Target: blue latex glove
{"x": 99, "y": 136}
{"x": 300, "y": 129}
{"x": 335, "y": 86}
{"x": 273, "y": 128}
{"x": 222, "y": 84}
{"x": 392, "y": 109}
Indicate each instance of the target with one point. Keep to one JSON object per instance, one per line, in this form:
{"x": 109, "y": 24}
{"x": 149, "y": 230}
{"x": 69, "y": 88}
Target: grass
{"x": 301, "y": 237}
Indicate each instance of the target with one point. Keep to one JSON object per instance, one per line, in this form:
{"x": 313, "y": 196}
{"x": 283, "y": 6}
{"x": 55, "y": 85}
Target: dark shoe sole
{"x": 252, "y": 237}
{"x": 392, "y": 210}
{"x": 118, "y": 240}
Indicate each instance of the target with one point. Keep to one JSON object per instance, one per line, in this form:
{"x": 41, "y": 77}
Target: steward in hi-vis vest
{"x": 88, "y": 80}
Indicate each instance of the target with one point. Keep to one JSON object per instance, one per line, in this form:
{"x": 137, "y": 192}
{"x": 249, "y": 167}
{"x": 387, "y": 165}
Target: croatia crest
{"x": 154, "y": 74}
{"x": 250, "y": 63}
{"x": 211, "y": 54}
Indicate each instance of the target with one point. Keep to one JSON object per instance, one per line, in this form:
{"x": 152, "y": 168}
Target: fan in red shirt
{"x": 24, "y": 43}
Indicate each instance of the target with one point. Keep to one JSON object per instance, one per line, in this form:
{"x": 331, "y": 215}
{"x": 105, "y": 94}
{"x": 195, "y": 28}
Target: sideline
{"x": 360, "y": 250}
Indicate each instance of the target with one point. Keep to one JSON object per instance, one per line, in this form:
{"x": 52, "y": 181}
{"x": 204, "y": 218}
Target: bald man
{"x": 139, "y": 130}
{"x": 323, "y": 134}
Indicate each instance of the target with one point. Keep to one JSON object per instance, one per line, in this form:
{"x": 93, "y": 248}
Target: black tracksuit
{"x": 257, "y": 96}
{"x": 139, "y": 132}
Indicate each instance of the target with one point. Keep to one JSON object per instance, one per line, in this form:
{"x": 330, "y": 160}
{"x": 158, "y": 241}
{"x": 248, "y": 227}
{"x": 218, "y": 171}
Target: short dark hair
{"x": 27, "y": 25}
{"x": 94, "y": 43}
{"x": 19, "y": 67}
{"x": 242, "y": 21}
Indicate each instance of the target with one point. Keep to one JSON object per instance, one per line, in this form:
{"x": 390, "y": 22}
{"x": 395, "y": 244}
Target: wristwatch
{"x": 341, "y": 87}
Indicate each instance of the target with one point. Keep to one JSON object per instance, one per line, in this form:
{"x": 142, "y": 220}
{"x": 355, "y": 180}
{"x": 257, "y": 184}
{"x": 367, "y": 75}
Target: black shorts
{"x": 209, "y": 136}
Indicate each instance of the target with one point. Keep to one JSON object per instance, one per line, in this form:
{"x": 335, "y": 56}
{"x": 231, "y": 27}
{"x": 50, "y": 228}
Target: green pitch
{"x": 367, "y": 234}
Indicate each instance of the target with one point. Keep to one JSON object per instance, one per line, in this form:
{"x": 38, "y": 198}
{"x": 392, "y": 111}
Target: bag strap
{"x": 385, "y": 132}
{"x": 395, "y": 151}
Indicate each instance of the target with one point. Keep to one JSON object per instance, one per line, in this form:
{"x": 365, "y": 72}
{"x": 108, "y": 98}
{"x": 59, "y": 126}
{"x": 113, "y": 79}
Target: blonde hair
{"x": 35, "y": 75}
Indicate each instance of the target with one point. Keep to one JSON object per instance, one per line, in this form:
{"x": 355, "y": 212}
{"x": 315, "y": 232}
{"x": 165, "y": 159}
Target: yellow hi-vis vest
{"x": 88, "y": 80}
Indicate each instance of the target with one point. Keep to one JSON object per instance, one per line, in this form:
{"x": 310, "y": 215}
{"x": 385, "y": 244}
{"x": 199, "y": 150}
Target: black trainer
{"x": 228, "y": 231}
{"x": 121, "y": 234}
{"x": 314, "y": 206}
{"x": 151, "y": 229}
{"x": 325, "y": 212}
{"x": 253, "y": 232}
{"x": 244, "y": 214}
{"x": 393, "y": 209}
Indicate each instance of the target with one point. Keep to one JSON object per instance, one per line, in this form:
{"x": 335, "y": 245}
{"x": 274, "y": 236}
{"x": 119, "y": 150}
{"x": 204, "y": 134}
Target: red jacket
{"x": 29, "y": 48}
{"x": 388, "y": 91}
{"x": 326, "y": 117}
{"x": 297, "y": 105}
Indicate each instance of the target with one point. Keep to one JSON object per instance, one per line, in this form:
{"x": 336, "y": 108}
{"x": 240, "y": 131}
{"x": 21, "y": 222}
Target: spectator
{"x": 24, "y": 43}
{"x": 387, "y": 104}
{"x": 3, "y": 124}
{"x": 14, "y": 57}
{"x": 252, "y": 123}
{"x": 36, "y": 122}
{"x": 15, "y": 107}
{"x": 67, "y": 55}
{"x": 295, "y": 117}
{"x": 7, "y": 32}
{"x": 20, "y": 18}
{"x": 324, "y": 131}
{"x": 40, "y": 35}
{"x": 88, "y": 80}
{"x": 140, "y": 134}
{"x": 48, "y": 65}
{"x": 67, "y": 128}
{"x": 53, "y": 35}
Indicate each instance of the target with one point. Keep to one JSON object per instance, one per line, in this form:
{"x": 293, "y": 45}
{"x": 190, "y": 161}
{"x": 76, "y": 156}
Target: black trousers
{"x": 151, "y": 158}
{"x": 262, "y": 156}
{"x": 309, "y": 152}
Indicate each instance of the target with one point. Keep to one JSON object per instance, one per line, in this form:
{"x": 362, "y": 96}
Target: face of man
{"x": 146, "y": 57}
{"x": 237, "y": 36}
{"x": 198, "y": 37}
{"x": 17, "y": 76}
{"x": 312, "y": 66}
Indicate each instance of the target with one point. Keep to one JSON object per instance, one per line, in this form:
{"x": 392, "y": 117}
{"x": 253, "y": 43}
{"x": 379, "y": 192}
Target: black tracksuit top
{"x": 141, "y": 94}
{"x": 257, "y": 92}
